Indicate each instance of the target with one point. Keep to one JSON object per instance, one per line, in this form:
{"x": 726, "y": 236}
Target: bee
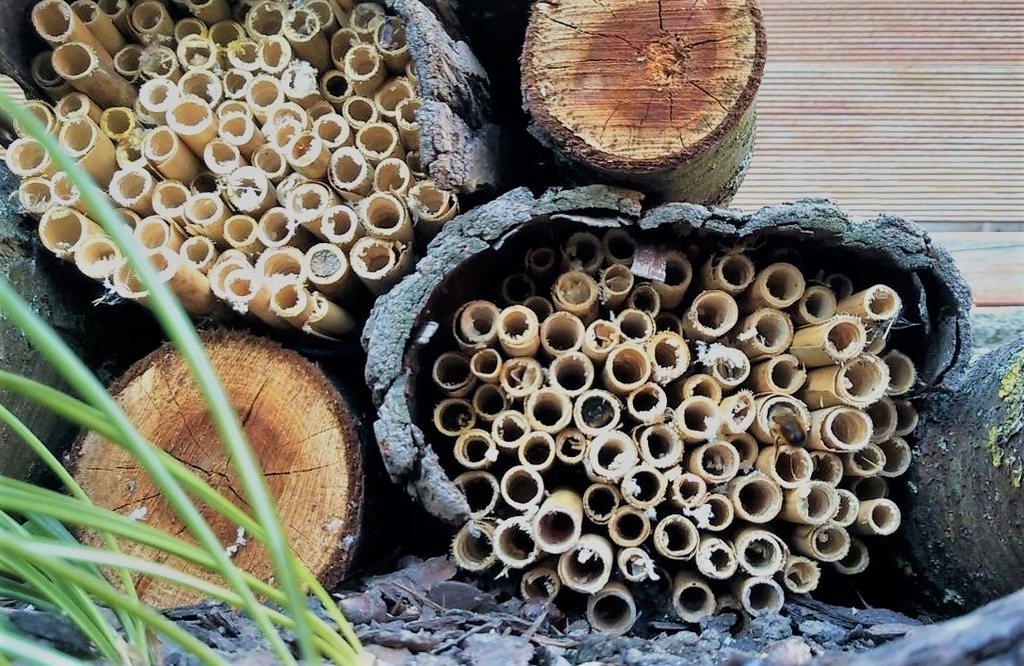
{"x": 785, "y": 425}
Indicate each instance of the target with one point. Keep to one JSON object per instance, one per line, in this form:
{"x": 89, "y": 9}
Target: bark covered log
{"x": 301, "y": 431}
{"x": 656, "y": 95}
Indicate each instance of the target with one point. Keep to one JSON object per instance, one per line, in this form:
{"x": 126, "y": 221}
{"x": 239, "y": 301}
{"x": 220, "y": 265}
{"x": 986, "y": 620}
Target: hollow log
{"x": 656, "y": 95}
{"x": 965, "y": 506}
{"x": 300, "y": 428}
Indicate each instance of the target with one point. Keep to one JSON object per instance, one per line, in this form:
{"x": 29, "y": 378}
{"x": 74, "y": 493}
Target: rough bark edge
{"x": 459, "y": 147}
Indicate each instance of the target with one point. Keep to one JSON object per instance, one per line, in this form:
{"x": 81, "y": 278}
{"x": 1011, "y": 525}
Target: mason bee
{"x": 785, "y": 426}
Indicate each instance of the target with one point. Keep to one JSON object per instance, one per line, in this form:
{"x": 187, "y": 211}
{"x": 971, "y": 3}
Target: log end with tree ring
{"x": 657, "y": 94}
{"x": 312, "y": 456}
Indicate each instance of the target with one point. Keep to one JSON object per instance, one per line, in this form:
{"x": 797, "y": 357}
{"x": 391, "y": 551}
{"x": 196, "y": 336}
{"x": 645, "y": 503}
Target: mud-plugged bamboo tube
{"x": 169, "y": 155}
{"x": 636, "y": 325}
{"x": 612, "y": 610}
{"x": 800, "y": 574}
{"x": 600, "y": 501}
{"x": 97, "y": 257}
{"x": 836, "y": 340}
{"x": 759, "y": 595}
{"x": 570, "y": 446}
{"x": 610, "y": 455}
{"x": 731, "y": 272}
{"x": 558, "y": 523}
{"x": 716, "y": 558}
{"x": 587, "y": 566}
{"x": 193, "y": 120}
{"x": 712, "y": 314}
{"x": 473, "y": 546}
{"x": 816, "y": 306}
{"x": 675, "y": 537}
{"x": 93, "y": 150}
{"x": 839, "y": 429}
{"x": 760, "y": 553}
{"x": 777, "y": 286}
{"x": 480, "y": 490}
{"x": 571, "y": 374}
{"x": 878, "y": 303}
{"x": 133, "y": 189}
{"x": 828, "y": 467}
{"x": 764, "y": 333}
{"x": 199, "y": 252}
{"x": 364, "y": 69}
{"x": 509, "y": 430}
{"x": 58, "y": 24}
{"x": 878, "y": 517}
{"x": 541, "y": 583}
{"x": 660, "y": 446}
{"x": 715, "y": 462}
{"x": 636, "y": 565}
{"x": 647, "y": 404}
{"x": 692, "y": 598}
{"x": 615, "y": 284}
{"x": 26, "y": 158}
{"x": 698, "y": 419}
{"x": 548, "y": 410}
{"x": 788, "y": 466}
{"x": 63, "y": 230}
{"x": 826, "y": 543}
{"x": 514, "y": 543}
{"x": 518, "y": 331}
{"x": 453, "y": 416}
{"x": 738, "y": 412}
{"x": 811, "y": 503}
{"x": 669, "y": 355}
{"x": 474, "y": 449}
{"x": 857, "y": 383}
{"x": 577, "y": 293}
{"x": 626, "y": 369}
{"x": 781, "y": 419}
{"x": 154, "y": 232}
{"x": 756, "y": 497}
{"x": 190, "y": 286}
{"x": 350, "y": 173}
{"x": 902, "y": 373}
{"x": 35, "y": 195}
{"x": 596, "y": 412}
{"x": 560, "y": 333}
{"x": 866, "y": 461}
{"x": 304, "y": 31}
{"x": 644, "y": 487}
{"x": 847, "y": 508}
{"x": 687, "y": 490}
{"x": 782, "y": 374}
{"x": 629, "y": 526}
{"x": 326, "y": 268}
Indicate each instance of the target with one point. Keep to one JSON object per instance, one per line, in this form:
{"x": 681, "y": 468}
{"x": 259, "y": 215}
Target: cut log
{"x": 656, "y": 94}
{"x": 300, "y": 428}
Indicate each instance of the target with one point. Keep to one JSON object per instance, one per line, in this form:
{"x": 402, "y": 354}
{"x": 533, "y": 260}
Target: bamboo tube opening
{"x": 878, "y": 303}
{"x": 342, "y": 42}
{"x": 688, "y": 491}
{"x": 292, "y": 302}
{"x": 644, "y": 487}
{"x": 64, "y": 192}
{"x": 800, "y": 574}
{"x": 828, "y": 467}
{"x": 522, "y": 488}
{"x": 626, "y": 369}
{"x": 765, "y": 332}
{"x": 720, "y": 513}
{"x": 350, "y": 172}
{"x": 44, "y": 113}
{"x": 540, "y": 584}
{"x": 150, "y": 18}
{"x": 760, "y": 596}
{"x": 883, "y": 417}
{"x": 612, "y": 610}
{"x": 716, "y": 559}
{"x": 868, "y": 461}
{"x": 715, "y": 462}
{"x": 384, "y": 216}
{"x": 813, "y": 503}
{"x": 586, "y": 567}
{"x": 669, "y": 355}
{"x": 561, "y": 332}
{"x": 189, "y": 26}
{"x": 571, "y": 373}
{"x": 127, "y": 284}
{"x": 263, "y": 95}
{"x": 537, "y": 451}
{"x": 699, "y": 385}
{"x": 616, "y": 283}
{"x": 583, "y": 251}
{"x": 222, "y": 158}
{"x": 133, "y": 189}
{"x": 224, "y": 32}
{"x": 98, "y": 257}
{"x": 167, "y": 153}
{"x": 600, "y": 338}
{"x": 789, "y": 466}
{"x": 879, "y": 517}
{"x": 548, "y": 410}
{"x": 197, "y": 53}
{"x": 635, "y": 324}
{"x": 203, "y": 84}
{"x": 35, "y": 195}
{"x": 558, "y": 524}
{"x": 454, "y": 416}
{"x": 778, "y": 286}
{"x": 516, "y": 288}
{"x": 378, "y": 141}
{"x": 473, "y": 547}
{"x": 235, "y": 83}
{"x": 902, "y": 374}
{"x": 26, "y": 158}
{"x": 451, "y": 374}
{"x": 781, "y": 419}
{"x": 836, "y": 340}
{"x": 826, "y": 543}
{"x": 576, "y": 292}
{"x": 53, "y": 21}
{"x": 647, "y": 404}
{"x": 596, "y": 412}
{"x": 781, "y": 374}
{"x": 731, "y": 273}
{"x": 364, "y": 69}
{"x": 208, "y": 213}
{"x": 489, "y": 402}
{"x": 358, "y": 111}
{"x": 474, "y": 449}
{"x": 158, "y": 96}
{"x": 520, "y": 376}
{"x": 816, "y": 306}
{"x": 760, "y": 552}
{"x": 193, "y": 120}
{"x": 898, "y": 456}
{"x": 600, "y": 501}
{"x": 645, "y": 298}
{"x": 334, "y": 132}
{"x": 199, "y": 252}
{"x": 154, "y": 232}
{"x": 906, "y": 417}
{"x": 481, "y": 491}
{"x": 698, "y": 419}
{"x": 660, "y": 446}
{"x": 273, "y": 54}
{"x": 635, "y": 565}
{"x": 518, "y": 331}
{"x": 190, "y": 286}
{"x": 856, "y": 560}
{"x": 510, "y": 429}
{"x": 629, "y": 526}
{"x": 241, "y": 232}
{"x": 77, "y": 106}
{"x": 619, "y": 247}
{"x": 169, "y": 200}
{"x": 118, "y": 122}
{"x": 44, "y": 75}
{"x": 692, "y": 598}
{"x": 391, "y": 94}
{"x": 275, "y": 229}
{"x": 756, "y": 498}
{"x": 847, "y": 507}
{"x": 475, "y": 326}
{"x": 867, "y": 487}
{"x": 668, "y": 322}
{"x": 840, "y": 284}
{"x": 63, "y": 230}
{"x": 379, "y": 264}
{"x": 160, "y": 62}
{"x": 676, "y": 537}
{"x": 611, "y": 454}
{"x": 738, "y": 412}
{"x": 858, "y": 383}
{"x": 514, "y": 543}
{"x": 266, "y": 19}
{"x": 840, "y": 429}
{"x": 712, "y": 314}
{"x": 485, "y": 365}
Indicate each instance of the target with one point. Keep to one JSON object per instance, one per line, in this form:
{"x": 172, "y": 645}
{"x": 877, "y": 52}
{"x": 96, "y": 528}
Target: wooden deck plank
{"x": 991, "y": 262}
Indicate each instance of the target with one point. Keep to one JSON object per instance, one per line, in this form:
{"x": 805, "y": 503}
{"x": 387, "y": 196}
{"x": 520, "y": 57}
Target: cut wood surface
{"x": 298, "y": 425}
{"x": 655, "y": 93}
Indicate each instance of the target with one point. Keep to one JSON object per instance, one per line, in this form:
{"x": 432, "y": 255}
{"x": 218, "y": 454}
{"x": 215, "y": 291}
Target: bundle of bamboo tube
{"x": 265, "y": 153}
{"x": 723, "y": 424}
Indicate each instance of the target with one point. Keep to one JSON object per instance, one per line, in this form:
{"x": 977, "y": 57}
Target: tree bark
{"x": 657, "y": 94}
{"x": 300, "y": 428}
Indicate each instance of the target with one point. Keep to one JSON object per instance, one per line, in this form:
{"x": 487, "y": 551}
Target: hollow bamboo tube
{"x": 273, "y": 54}
{"x": 764, "y": 333}
{"x": 205, "y": 214}
{"x": 584, "y": 252}
{"x": 731, "y": 272}
{"x": 675, "y": 537}
{"x": 906, "y": 417}
{"x": 389, "y": 98}
{"x": 364, "y": 17}
{"x": 800, "y": 575}
{"x": 224, "y": 33}
{"x": 636, "y": 565}
{"x": 610, "y": 455}
{"x": 285, "y": 262}
{"x": 119, "y": 123}
{"x": 475, "y": 326}
{"x": 169, "y": 200}
{"x": 58, "y": 24}
{"x": 781, "y": 419}
{"x": 728, "y": 366}
{"x": 235, "y": 83}
{"x": 698, "y": 419}
{"x": 240, "y": 130}
{"x": 839, "y": 429}
{"x": 473, "y": 546}
{"x": 169, "y": 155}
{"x": 687, "y": 491}
{"x": 518, "y": 331}
{"x": 840, "y": 284}
{"x": 359, "y": 111}
{"x": 692, "y": 598}
{"x": 825, "y": 543}
{"x": 828, "y": 467}
{"x": 600, "y": 338}
{"x": 160, "y": 62}
{"x": 199, "y": 252}
{"x": 129, "y": 217}
{"x": 600, "y": 501}
{"x": 293, "y": 303}
{"x": 308, "y": 155}
{"x": 509, "y": 430}
{"x": 26, "y": 158}
{"x": 715, "y": 462}
{"x": 816, "y": 306}
{"x": 133, "y": 189}
{"x": 616, "y": 283}
{"x": 378, "y": 141}
{"x": 811, "y": 503}
{"x": 341, "y": 43}
{"x": 209, "y": 11}
{"x": 263, "y": 95}
{"x": 878, "y": 303}
{"x": 221, "y": 158}
{"x": 93, "y": 150}
{"x": 514, "y": 543}
{"x": 902, "y": 373}
{"x": 192, "y": 119}
{"x": 738, "y": 412}
{"x": 629, "y": 526}
{"x": 878, "y": 517}
{"x": 63, "y": 230}
{"x": 660, "y": 446}
{"x": 522, "y": 488}
{"x": 35, "y": 196}
{"x": 334, "y": 131}
{"x": 760, "y": 553}
{"x": 488, "y": 403}
{"x": 856, "y": 560}
{"x": 46, "y": 78}
{"x": 847, "y": 508}
{"x": 867, "y": 461}
{"x": 561, "y": 332}
{"x": 577, "y": 293}
{"x": 587, "y": 566}
{"x": 97, "y": 257}
{"x": 44, "y": 112}
{"x": 384, "y": 216}
{"x": 883, "y": 418}
{"x": 645, "y": 298}
{"x": 380, "y": 264}
{"x": 669, "y": 355}
{"x": 541, "y": 306}
{"x": 389, "y": 39}
{"x": 647, "y": 404}
{"x": 197, "y": 54}
{"x": 150, "y": 22}
{"x": 304, "y": 31}
{"x": 267, "y": 159}
{"x": 898, "y": 456}
{"x": 350, "y": 173}
{"x": 558, "y": 523}
{"x": 612, "y": 610}
{"x": 636, "y": 325}
{"x": 644, "y": 487}
{"x": 548, "y": 410}
{"x": 596, "y": 412}
{"x": 451, "y": 374}
{"x": 157, "y": 97}
{"x": 712, "y": 314}
{"x": 783, "y": 374}
{"x": 678, "y": 276}
{"x": 431, "y": 207}
{"x": 756, "y": 498}
{"x": 154, "y": 232}
{"x": 857, "y": 383}
{"x": 837, "y": 340}
{"x": 516, "y": 288}
{"x": 250, "y": 192}
{"x": 265, "y": 19}
{"x": 788, "y": 466}
{"x": 759, "y": 595}
{"x": 867, "y": 487}
{"x": 190, "y": 286}
{"x": 541, "y": 583}
{"x": 626, "y": 369}
{"x": 700, "y": 385}
{"x": 203, "y": 84}
{"x": 328, "y": 320}
{"x": 716, "y": 558}
{"x": 570, "y": 446}
{"x": 129, "y": 156}
{"x": 538, "y": 451}
{"x": 364, "y": 69}
{"x": 77, "y": 106}
{"x": 777, "y": 286}
{"x": 241, "y": 233}
{"x": 453, "y": 416}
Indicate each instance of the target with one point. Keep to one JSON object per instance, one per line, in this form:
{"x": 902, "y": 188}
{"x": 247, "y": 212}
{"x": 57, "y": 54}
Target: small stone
{"x": 889, "y": 631}
{"x": 489, "y": 649}
{"x": 824, "y": 632}
{"x": 790, "y": 652}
